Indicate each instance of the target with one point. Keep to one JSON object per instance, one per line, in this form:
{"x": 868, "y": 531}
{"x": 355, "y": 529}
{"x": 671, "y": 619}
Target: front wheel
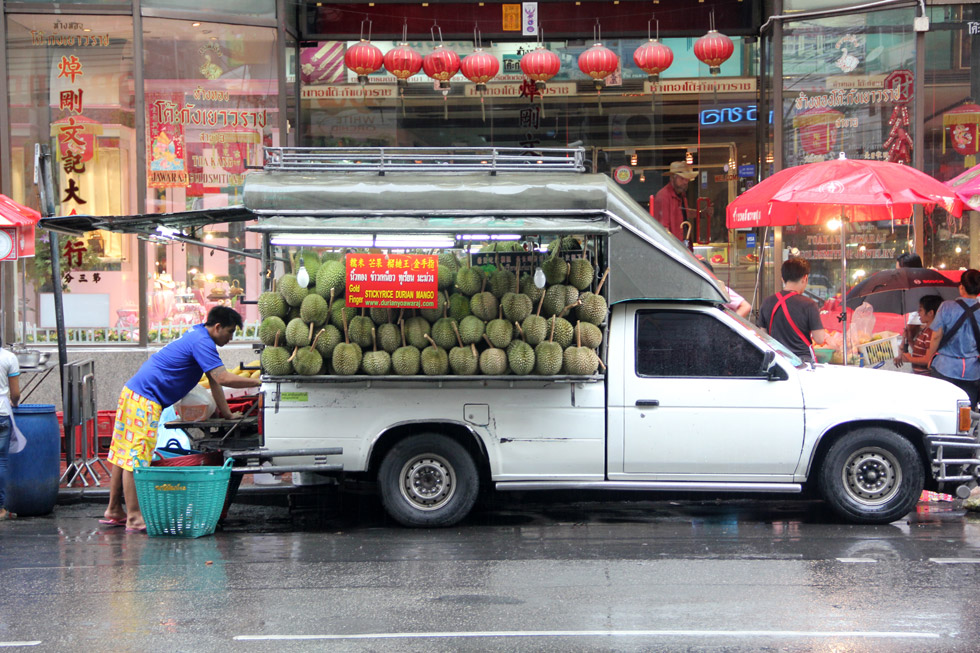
{"x": 872, "y": 476}
{"x": 428, "y": 480}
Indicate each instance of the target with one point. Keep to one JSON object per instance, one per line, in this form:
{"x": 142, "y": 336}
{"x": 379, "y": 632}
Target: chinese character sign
{"x": 398, "y": 281}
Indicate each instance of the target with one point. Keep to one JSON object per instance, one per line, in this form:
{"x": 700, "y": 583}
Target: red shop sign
{"x": 399, "y": 281}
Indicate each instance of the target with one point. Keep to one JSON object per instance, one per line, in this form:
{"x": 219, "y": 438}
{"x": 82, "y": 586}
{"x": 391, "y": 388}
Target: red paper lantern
{"x": 653, "y": 57}
{"x": 714, "y": 49}
{"x": 480, "y": 68}
{"x": 540, "y": 65}
{"x": 817, "y": 129}
{"x": 441, "y": 64}
{"x": 598, "y": 62}
{"x": 364, "y": 59}
{"x": 403, "y": 62}
{"x": 963, "y": 126}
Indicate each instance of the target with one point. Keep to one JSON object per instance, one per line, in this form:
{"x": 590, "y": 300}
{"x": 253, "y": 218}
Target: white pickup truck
{"x": 690, "y": 397}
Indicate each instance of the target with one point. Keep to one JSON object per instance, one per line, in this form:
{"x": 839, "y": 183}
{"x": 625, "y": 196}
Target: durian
{"x": 535, "y": 327}
{"x": 314, "y": 310}
{"x": 417, "y": 331}
{"x": 275, "y": 360}
{"x": 290, "y": 290}
{"x": 493, "y": 360}
{"x": 346, "y": 359}
{"x": 500, "y": 331}
{"x": 270, "y": 328}
{"x": 406, "y": 360}
{"x": 593, "y": 308}
{"x": 271, "y": 304}
{"x": 376, "y": 363}
{"x": 435, "y": 360}
{"x": 548, "y": 355}
{"x": 580, "y": 361}
{"x": 580, "y": 273}
{"x": 331, "y": 276}
{"x": 298, "y": 333}
{"x": 471, "y": 329}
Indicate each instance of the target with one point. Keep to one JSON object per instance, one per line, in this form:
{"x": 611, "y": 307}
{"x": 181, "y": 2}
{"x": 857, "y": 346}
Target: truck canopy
{"x": 645, "y": 261}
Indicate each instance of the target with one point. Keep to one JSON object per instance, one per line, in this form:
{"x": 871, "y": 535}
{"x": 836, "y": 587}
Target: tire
{"x": 871, "y": 476}
{"x": 428, "y": 481}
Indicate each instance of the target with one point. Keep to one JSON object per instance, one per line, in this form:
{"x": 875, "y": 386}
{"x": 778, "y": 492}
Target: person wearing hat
{"x": 670, "y": 202}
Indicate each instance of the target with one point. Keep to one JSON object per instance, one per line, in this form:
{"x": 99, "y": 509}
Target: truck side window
{"x": 691, "y": 344}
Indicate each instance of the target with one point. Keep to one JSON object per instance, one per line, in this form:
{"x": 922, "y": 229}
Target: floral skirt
{"x": 135, "y": 435}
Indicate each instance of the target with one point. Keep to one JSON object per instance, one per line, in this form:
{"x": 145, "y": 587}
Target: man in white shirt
{"x": 9, "y": 397}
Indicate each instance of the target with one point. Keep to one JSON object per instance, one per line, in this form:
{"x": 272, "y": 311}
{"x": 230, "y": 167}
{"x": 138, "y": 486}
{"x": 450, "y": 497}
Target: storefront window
{"x": 211, "y": 103}
{"x": 848, "y": 89}
{"x": 71, "y": 87}
{"x": 951, "y": 122}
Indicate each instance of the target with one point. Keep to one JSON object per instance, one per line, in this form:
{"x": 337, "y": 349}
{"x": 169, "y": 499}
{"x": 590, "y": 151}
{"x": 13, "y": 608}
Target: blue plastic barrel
{"x": 33, "y": 472}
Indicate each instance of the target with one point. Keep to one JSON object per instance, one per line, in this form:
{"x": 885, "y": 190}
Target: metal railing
{"x": 424, "y": 159}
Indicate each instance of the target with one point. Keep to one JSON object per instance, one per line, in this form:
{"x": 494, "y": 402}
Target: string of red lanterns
{"x": 539, "y": 65}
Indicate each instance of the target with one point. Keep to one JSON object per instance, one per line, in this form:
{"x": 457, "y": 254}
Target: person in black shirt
{"x": 791, "y": 318}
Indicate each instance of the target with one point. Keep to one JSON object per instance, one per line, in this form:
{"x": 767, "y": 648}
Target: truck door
{"x": 697, "y": 405}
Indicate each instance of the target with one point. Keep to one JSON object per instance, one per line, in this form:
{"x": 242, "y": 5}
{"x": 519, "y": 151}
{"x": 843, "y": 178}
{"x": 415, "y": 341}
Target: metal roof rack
{"x": 424, "y": 159}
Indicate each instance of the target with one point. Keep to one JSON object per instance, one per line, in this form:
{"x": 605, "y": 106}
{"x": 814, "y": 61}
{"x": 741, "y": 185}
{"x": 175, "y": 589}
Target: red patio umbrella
{"x": 850, "y": 190}
{"x": 967, "y": 187}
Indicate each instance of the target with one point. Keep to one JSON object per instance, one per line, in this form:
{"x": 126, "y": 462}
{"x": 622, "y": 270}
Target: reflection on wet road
{"x": 535, "y": 573}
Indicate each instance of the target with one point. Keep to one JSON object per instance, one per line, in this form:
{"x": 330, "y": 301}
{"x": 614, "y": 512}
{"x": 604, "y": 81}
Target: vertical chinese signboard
{"x": 397, "y": 281}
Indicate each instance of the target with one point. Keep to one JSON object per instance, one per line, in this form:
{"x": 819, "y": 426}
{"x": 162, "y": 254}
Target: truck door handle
{"x": 647, "y": 403}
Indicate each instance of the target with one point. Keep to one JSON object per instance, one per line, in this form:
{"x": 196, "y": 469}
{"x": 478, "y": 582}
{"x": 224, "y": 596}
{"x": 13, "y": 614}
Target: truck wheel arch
{"x": 457, "y": 431}
{"x": 833, "y": 434}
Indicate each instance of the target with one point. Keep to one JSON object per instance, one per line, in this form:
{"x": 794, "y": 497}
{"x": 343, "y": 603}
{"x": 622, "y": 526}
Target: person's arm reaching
{"x": 222, "y": 377}
{"x": 13, "y": 382}
{"x": 818, "y": 336}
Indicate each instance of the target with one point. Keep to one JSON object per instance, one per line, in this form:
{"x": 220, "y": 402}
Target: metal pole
{"x": 42, "y": 176}
{"x": 843, "y": 284}
{"x": 140, "y": 111}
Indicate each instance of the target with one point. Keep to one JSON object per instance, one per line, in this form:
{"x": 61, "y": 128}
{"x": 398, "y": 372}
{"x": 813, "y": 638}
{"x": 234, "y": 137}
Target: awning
{"x": 148, "y": 223}
{"x": 18, "y": 220}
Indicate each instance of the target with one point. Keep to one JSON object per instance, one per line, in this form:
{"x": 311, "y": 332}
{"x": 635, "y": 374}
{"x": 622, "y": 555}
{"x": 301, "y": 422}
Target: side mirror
{"x": 771, "y": 370}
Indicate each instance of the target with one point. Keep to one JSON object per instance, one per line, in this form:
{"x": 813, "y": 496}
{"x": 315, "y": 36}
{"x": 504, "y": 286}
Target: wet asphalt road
{"x": 532, "y": 573}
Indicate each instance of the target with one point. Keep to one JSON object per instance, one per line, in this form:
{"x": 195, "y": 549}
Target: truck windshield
{"x": 769, "y": 341}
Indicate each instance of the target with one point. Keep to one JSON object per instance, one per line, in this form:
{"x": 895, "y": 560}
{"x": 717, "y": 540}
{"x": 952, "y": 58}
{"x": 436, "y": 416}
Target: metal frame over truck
{"x": 690, "y": 397}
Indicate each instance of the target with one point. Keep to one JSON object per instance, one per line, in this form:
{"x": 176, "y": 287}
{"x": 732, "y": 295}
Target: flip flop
{"x": 6, "y": 515}
{"x": 113, "y": 522}
{"x": 136, "y": 530}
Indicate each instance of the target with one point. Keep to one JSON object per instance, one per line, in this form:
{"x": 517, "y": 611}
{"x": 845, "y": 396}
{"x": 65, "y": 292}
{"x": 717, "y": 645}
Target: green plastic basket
{"x": 182, "y": 501}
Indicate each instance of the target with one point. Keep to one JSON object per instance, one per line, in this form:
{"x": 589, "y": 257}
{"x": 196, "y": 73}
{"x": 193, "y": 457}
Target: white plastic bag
{"x": 862, "y": 326}
{"x": 197, "y": 405}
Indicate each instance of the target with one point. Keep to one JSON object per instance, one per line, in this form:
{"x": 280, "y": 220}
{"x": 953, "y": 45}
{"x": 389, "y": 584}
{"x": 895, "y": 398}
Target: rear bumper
{"x": 955, "y": 458}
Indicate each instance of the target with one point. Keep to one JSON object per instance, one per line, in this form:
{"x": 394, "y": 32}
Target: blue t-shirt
{"x": 957, "y": 359}
{"x": 173, "y": 371}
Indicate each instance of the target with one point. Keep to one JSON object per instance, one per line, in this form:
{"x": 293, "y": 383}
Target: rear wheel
{"x": 428, "y": 480}
{"x": 872, "y": 476}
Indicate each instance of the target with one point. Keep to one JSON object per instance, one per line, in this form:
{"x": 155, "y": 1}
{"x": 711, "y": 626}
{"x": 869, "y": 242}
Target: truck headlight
{"x": 965, "y": 422}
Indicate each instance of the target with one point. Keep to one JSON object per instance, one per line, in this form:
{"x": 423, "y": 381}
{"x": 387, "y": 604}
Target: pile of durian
{"x": 485, "y": 323}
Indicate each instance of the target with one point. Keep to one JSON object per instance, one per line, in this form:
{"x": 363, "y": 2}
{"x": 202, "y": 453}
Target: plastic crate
{"x": 881, "y": 354}
{"x": 182, "y": 501}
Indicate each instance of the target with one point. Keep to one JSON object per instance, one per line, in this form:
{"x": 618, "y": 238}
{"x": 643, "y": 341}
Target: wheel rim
{"x": 428, "y": 482}
{"x": 872, "y": 475}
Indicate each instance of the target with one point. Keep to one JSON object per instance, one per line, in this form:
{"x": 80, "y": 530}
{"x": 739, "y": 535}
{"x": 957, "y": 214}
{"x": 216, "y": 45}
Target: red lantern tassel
{"x": 483, "y": 111}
